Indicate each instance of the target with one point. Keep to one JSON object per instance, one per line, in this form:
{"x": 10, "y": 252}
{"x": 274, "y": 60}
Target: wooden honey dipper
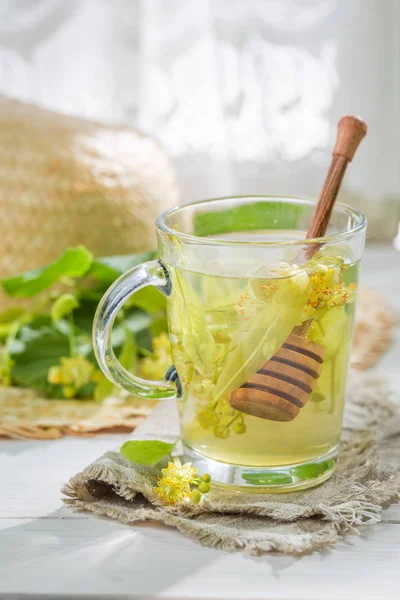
{"x": 284, "y": 384}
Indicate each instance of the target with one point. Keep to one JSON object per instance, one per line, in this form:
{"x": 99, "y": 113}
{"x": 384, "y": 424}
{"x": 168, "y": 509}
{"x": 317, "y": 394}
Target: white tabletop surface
{"x": 49, "y": 551}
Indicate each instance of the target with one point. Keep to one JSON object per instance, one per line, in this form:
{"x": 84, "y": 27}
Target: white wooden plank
{"x": 103, "y": 557}
{"x": 392, "y": 514}
{"x": 32, "y": 473}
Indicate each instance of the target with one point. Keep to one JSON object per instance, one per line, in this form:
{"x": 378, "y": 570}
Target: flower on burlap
{"x": 180, "y": 483}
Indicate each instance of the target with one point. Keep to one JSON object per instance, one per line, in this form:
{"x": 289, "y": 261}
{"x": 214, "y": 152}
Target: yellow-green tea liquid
{"x": 211, "y": 320}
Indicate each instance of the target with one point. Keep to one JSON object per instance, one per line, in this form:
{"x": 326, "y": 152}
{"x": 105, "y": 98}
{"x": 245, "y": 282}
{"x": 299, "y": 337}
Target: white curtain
{"x": 243, "y": 94}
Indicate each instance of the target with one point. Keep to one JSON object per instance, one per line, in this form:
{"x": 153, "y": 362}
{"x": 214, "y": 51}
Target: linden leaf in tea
{"x": 190, "y": 318}
{"x": 330, "y": 329}
{"x": 267, "y": 331}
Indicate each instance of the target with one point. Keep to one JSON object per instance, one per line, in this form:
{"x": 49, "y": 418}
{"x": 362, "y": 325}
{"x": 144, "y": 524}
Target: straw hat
{"x": 66, "y": 181}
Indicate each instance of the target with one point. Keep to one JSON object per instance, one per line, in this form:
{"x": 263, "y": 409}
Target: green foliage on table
{"x": 75, "y": 262}
{"x": 48, "y": 347}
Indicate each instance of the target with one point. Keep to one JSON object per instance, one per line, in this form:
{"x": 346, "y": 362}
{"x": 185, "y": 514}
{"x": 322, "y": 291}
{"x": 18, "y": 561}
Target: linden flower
{"x": 154, "y": 367}
{"x": 72, "y": 373}
{"x": 175, "y": 484}
{"x": 339, "y": 296}
{"x": 326, "y": 289}
{"x": 326, "y": 286}
{"x": 180, "y": 472}
{"x": 171, "y": 491}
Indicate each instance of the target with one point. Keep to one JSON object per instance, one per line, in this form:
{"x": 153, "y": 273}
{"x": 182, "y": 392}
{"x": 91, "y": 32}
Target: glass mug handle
{"x": 149, "y": 273}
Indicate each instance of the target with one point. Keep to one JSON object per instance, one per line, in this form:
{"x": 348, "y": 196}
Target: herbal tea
{"x": 223, "y": 329}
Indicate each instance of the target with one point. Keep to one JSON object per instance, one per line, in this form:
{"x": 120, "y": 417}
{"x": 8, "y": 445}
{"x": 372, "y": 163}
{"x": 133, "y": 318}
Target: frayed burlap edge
{"x": 370, "y": 487}
{"x": 301, "y": 543}
{"x": 340, "y": 519}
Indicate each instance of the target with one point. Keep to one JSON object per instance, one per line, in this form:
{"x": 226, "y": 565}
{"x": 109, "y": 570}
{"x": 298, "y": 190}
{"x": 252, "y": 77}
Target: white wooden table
{"x": 47, "y": 550}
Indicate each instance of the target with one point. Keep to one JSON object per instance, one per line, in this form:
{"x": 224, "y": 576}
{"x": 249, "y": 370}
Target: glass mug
{"x": 260, "y": 323}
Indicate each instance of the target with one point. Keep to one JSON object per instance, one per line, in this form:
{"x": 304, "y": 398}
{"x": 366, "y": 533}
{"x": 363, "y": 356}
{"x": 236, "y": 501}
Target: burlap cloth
{"x": 366, "y": 480}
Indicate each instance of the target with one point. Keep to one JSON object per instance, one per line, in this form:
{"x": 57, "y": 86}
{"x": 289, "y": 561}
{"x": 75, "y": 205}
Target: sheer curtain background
{"x": 243, "y": 94}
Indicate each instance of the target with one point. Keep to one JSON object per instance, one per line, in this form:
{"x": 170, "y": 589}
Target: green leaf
{"x": 38, "y": 347}
{"x": 137, "y": 321}
{"x": 249, "y": 217}
{"x": 128, "y": 355}
{"x": 159, "y": 325}
{"x": 108, "y": 268}
{"x": 267, "y": 331}
{"x": 10, "y": 315}
{"x": 63, "y": 306}
{"x": 139, "y": 324}
{"x": 330, "y": 329}
{"x": 189, "y": 317}
{"x": 148, "y": 299}
{"x": 9, "y": 318}
{"x": 75, "y": 262}
{"x": 146, "y": 452}
{"x": 84, "y": 314}
{"x": 127, "y": 358}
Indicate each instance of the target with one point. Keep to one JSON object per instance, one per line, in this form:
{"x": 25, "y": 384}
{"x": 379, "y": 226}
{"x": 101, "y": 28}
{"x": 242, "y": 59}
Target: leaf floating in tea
{"x": 190, "y": 318}
{"x": 267, "y": 331}
{"x": 330, "y": 329}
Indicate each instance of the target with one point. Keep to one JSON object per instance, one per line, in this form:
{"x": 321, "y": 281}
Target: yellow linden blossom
{"x": 327, "y": 290}
{"x": 171, "y": 491}
{"x": 179, "y": 471}
{"x": 72, "y": 373}
{"x": 321, "y": 274}
{"x": 155, "y": 367}
{"x": 339, "y": 296}
{"x": 174, "y": 485}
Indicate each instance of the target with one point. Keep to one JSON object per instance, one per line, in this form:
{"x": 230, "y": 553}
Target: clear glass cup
{"x": 260, "y": 323}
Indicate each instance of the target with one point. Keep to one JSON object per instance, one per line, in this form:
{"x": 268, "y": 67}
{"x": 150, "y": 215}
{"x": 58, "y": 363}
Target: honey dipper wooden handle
{"x": 351, "y": 131}
{"x": 279, "y": 389}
